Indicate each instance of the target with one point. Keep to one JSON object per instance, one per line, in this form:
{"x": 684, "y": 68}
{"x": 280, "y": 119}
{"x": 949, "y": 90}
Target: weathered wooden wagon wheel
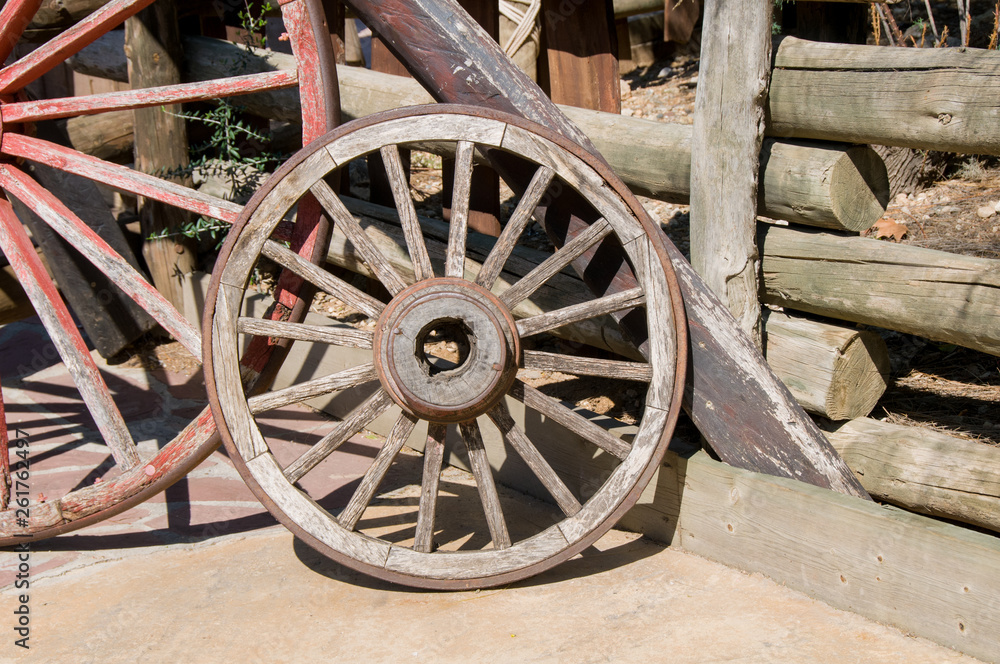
{"x": 434, "y": 287}
{"x": 136, "y": 476}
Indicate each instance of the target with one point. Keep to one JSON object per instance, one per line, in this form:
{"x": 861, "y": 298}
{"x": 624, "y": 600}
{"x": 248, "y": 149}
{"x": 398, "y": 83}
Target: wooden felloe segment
{"x": 832, "y": 185}
{"x": 886, "y": 96}
{"x": 833, "y": 371}
{"x": 728, "y": 130}
{"x": 54, "y": 314}
{"x": 933, "y": 294}
{"x": 923, "y": 470}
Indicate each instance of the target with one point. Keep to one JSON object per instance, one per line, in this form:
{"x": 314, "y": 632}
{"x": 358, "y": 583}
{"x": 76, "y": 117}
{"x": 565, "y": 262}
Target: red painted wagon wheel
{"x": 435, "y": 282}
{"x": 138, "y": 477}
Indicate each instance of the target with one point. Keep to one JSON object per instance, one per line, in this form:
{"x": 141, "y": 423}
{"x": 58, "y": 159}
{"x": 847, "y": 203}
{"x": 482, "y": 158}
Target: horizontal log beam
{"x": 941, "y": 296}
{"x": 825, "y": 185}
{"x": 923, "y": 470}
{"x": 834, "y": 371}
{"x": 935, "y": 99}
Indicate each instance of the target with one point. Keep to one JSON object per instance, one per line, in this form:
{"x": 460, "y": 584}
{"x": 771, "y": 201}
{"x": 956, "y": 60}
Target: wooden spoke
{"x": 423, "y": 540}
{"x": 459, "y": 224}
{"x": 603, "y": 305}
{"x": 313, "y": 388}
{"x": 324, "y": 334}
{"x": 555, "y": 263}
{"x": 377, "y": 471}
{"x": 570, "y": 419}
{"x": 407, "y": 213}
{"x": 98, "y": 252}
{"x": 62, "y": 330}
{"x": 587, "y": 366}
{"x": 363, "y": 244}
{"x": 322, "y": 279}
{"x": 118, "y": 177}
{"x": 371, "y": 408}
{"x": 539, "y": 466}
{"x": 518, "y": 221}
{"x": 15, "y": 16}
{"x": 69, "y": 42}
{"x": 50, "y": 109}
{"x": 484, "y": 481}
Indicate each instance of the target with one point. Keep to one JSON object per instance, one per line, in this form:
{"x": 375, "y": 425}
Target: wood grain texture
{"x": 517, "y": 439}
{"x": 341, "y": 380}
{"x": 15, "y": 16}
{"x": 586, "y": 366}
{"x": 480, "y": 465}
{"x": 400, "y": 184}
{"x": 527, "y": 327}
{"x": 459, "y": 225}
{"x": 725, "y": 148}
{"x": 423, "y": 539}
{"x": 335, "y": 335}
{"x": 934, "y": 294}
{"x": 373, "y": 477}
{"x": 937, "y": 99}
{"x": 582, "y": 54}
{"x": 923, "y": 470}
{"x": 372, "y": 407}
{"x": 64, "y": 334}
{"x": 834, "y": 371}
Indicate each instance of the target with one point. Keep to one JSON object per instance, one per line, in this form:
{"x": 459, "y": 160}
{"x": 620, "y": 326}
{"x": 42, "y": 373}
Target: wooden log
{"x": 923, "y": 470}
{"x": 153, "y": 49}
{"x": 886, "y": 96}
{"x": 933, "y": 294}
{"x": 108, "y": 136}
{"x": 808, "y": 182}
{"x": 833, "y": 371}
{"x": 725, "y": 153}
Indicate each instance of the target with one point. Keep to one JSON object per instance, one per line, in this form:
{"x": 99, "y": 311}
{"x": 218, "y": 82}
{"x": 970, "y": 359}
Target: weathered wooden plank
{"x": 834, "y": 371}
{"x": 725, "y": 148}
{"x": 586, "y": 366}
{"x": 933, "y": 294}
{"x": 300, "y": 392}
{"x": 454, "y": 265}
{"x": 400, "y": 184}
{"x": 607, "y": 304}
{"x": 15, "y": 15}
{"x": 923, "y": 470}
{"x": 582, "y": 54}
{"x": 334, "y": 335}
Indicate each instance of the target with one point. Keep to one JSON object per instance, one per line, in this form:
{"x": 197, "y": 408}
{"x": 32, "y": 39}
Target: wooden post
{"x": 725, "y": 148}
{"x": 679, "y": 18}
{"x": 152, "y": 46}
{"x": 582, "y": 54}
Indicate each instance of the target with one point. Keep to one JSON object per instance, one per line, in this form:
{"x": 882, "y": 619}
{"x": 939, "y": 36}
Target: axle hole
{"x": 444, "y": 345}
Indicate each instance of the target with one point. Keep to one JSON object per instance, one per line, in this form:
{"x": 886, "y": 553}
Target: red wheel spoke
{"x": 377, "y": 471}
{"x": 97, "y": 251}
{"x": 62, "y": 330}
{"x": 423, "y": 540}
{"x": 14, "y": 18}
{"x": 50, "y": 109}
{"x": 43, "y": 59}
{"x": 118, "y": 177}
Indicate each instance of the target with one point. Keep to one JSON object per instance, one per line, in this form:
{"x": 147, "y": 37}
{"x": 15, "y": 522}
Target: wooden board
{"x": 582, "y": 54}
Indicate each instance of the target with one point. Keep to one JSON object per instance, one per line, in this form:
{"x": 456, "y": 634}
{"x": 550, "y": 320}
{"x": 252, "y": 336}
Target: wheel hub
{"x": 470, "y": 316}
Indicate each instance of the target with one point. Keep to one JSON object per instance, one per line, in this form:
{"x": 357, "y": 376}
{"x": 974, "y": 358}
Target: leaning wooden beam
{"x": 831, "y": 370}
{"x": 725, "y": 153}
{"x": 923, "y": 470}
{"x": 886, "y": 96}
{"x": 829, "y": 185}
{"x": 933, "y": 294}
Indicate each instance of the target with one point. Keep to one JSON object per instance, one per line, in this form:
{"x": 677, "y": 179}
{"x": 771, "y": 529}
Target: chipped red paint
{"x": 50, "y": 109}
{"x": 14, "y": 18}
{"x": 70, "y": 42}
